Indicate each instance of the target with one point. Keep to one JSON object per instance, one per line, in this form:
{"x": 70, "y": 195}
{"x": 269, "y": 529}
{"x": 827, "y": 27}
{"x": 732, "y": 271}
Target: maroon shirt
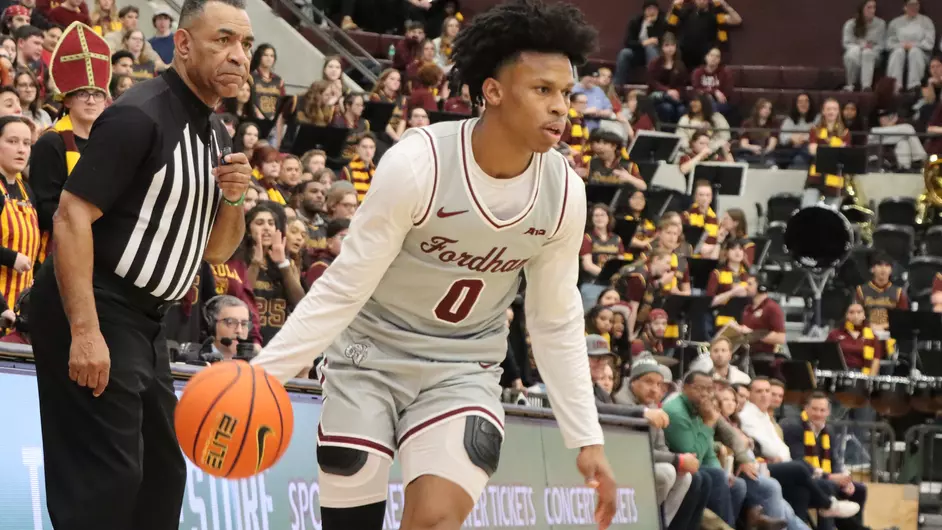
{"x": 767, "y": 315}
{"x": 62, "y": 16}
{"x": 230, "y": 279}
{"x": 661, "y": 79}
{"x": 422, "y": 97}
{"x": 709, "y": 82}
{"x": 853, "y": 349}
{"x": 322, "y": 259}
{"x": 458, "y": 106}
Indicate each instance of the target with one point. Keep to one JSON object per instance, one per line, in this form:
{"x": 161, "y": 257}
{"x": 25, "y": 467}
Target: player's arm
{"x": 557, "y": 326}
{"x": 395, "y": 201}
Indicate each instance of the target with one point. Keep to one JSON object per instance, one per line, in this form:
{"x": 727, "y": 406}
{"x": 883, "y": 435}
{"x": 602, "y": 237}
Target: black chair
{"x": 776, "y": 237}
{"x": 932, "y": 241}
{"x": 922, "y": 273}
{"x": 896, "y": 240}
{"x": 897, "y": 211}
{"x": 781, "y": 207}
{"x": 856, "y": 269}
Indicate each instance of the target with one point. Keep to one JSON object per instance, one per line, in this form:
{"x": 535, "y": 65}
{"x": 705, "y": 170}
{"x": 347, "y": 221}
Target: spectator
{"x": 599, "y": 243}
{"x": 902, "y": 136}
{"x": 644, "y": 234}
{"x": 242, "y": 106}
{"x": 51, "y": 37}
{"x": 37, "y": 17}
{"x": 443, "y": 42}
{"x": 795, "y": 137}
{"x": 352, "y": 119}
{"x": 721, "y": 353}
{"x": 576, "y": 134}
{"x": 27, "y": 88}
{"x": 296, "y": 246}
{"x": 424, "y": 91}
{"x": 700, "y": 150}
{"x": 607, "y": 165}
{"x": 426, "y": 56}
{"x": 830, "y": 132}
{"x": 855, "y": 124}
{"x": 861, "y": 348}
{"x": 162, "y": 41}
{"x": 765, "y": 314}
{"x": 341, "y": 201}
{"x": 70, "y": 11}
{"x": 605, "y": 83}
{"x": 336, "y": 230}
{"x": 863, "y": 38}
{"x": 29, "y": 49}
{"x": 360, "y": 170}
{"x": 701, "y": 116}
{"x": 600, "y": 356}
{"x": 266, "y": 168}
{"x": 290, "y": 175}
{"x": 598, "y": 105}
{"x": 460, "y": 104}
{"x": 733, "y": 225}
{"x": 251, "y": 198}
{"x": 19, "y": 317}
{"x": 246, "y": 139}
{"x": 667, "y": 81}
{"x": 408, "y": 48}
{"x": 312, "y": 212}
{"x": 931, "y": 89}
{"x": 651, "y": 337}
{"x": 9, "y": 102}
{"x": 314, "y": 161}
{"x": 105, "y": 19}
{"x": 418, "y": 117}
{"x": 230, "y": 320}
{"x": 644, "y": 285}
{"x": 19, "y": 229}
{"x": 388, "y": 89}
{"x": 129, "y": 18}
{"x": 910, "y": 38}
{"x": 728, "y": 280}
{"x": 319, "y": 104}
{"x": 700, "y": 26}
{"x": 15, "y": 17}
{"x": 333, "y": 74}
{"x": 760, "y": 138}
{"x": 642, "y": 40}
{"x": 701, "y": 215}
{"x": 879, "y": 294}
{"x": 143, "y": 68}
{"x": 714, "y": 80}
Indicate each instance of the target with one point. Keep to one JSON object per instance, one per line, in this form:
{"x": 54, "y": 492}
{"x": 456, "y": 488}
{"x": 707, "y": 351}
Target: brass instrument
{"x": 931, "y": 198}
{"x": 855, "y": 210}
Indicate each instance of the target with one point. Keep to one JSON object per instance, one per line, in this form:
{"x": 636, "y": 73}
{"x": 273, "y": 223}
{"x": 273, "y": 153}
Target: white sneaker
{"x": 840, "y": 509}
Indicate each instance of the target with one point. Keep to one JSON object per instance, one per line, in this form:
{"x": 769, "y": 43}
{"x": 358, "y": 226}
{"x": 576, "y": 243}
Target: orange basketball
{"x": 234, "y": 420}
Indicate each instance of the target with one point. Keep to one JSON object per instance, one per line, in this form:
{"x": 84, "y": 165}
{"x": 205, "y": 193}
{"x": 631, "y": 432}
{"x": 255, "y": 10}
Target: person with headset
{"x": 228, "y": 319}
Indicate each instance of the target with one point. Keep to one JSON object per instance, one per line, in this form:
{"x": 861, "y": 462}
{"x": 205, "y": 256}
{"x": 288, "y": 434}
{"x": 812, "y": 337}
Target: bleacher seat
{"x": 897, "y": 211}
{"x": 856, "y": 269}
{"x": 932, "y": 241}
{"x": 896, "y": 240}
{"x": 781, "y": 207}
{"x": 922, "y": 272}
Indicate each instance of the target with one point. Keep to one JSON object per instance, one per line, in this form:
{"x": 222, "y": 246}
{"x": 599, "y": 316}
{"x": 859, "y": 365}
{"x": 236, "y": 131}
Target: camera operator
{"x": 229, "y": 320}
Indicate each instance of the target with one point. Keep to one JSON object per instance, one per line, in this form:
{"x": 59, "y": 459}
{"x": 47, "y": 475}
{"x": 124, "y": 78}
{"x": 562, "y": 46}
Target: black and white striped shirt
{"x": 148, "y": 168}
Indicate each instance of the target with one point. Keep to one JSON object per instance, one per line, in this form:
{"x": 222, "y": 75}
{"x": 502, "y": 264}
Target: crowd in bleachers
{"x": 634, "y": 257}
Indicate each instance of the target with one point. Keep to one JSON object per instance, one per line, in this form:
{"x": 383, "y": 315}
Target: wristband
{"x": 235, "y": 203}
{"x": 284, "y": 264}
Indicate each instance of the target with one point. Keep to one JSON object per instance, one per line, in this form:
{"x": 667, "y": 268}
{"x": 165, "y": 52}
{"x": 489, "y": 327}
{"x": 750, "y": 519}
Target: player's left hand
{"x": 598, "y": 475}
{"x": 233, "y": 176}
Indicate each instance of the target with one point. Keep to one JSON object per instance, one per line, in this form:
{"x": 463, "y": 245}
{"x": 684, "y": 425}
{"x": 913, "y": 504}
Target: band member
{"x": 644, "y": 234}
{"x": 651, "y": 338}
{"x": 83, "y": 86}
{"x": 608, "y": 166}
{"x": 733, "y": 225}
{"x": 599, "y": 244}
{"x": 701, "y": 215}
{"x": 669, "y": 237}
{"x": 645, "y": 285}
{"x": 763, "y": 314}
{"x": 728, "y": 280}
{"x": 576, "y": 135}
{"x": 19, "y": 227}
{"x": 879, "y": 294}
{"x": 830, "y": 132}
{"x": 861, "y": 348}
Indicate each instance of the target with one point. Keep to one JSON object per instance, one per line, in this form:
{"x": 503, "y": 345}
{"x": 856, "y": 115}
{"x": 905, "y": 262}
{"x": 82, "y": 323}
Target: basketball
{"x": 234, "y": 420}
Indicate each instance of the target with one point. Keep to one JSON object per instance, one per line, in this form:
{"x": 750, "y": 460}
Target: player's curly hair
{"x": 501, "y": 33}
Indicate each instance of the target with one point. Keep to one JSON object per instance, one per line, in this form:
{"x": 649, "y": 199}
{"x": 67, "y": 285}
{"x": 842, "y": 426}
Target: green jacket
{"x": 687, "y": 433}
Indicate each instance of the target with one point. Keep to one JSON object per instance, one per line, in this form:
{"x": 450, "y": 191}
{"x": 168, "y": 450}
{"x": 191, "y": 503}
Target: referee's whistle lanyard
{"x": 19, "y": 231}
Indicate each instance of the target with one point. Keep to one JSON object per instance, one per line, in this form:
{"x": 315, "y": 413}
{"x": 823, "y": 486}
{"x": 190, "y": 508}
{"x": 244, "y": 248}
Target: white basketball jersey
{"x": 445, "y": 295}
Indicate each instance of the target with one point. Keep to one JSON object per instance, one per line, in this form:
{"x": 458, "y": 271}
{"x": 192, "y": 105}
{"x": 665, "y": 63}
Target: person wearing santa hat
{"x": 81, "y": 70}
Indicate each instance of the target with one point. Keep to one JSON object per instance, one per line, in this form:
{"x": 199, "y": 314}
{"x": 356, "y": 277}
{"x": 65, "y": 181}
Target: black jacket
{"x": 657, "y": 29}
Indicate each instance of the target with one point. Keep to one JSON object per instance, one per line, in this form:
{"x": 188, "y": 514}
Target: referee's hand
{"x": 233, "y": 176}
{"x": 90, "y": 361}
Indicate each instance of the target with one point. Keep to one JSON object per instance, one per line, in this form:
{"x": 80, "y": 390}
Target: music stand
{"x": 700, "y": 270}
{"x": 726, "y": 178}
{"x": 601, "y": 193}
{"x": 798, "y": 375}
{"x": 378, "y": 114}
{"x": 821, "y": 355}
{"x": 611, "y": 267}
{"x": 626, "y": 230}
{"x": 650, "y": 148}
{"x": 678, "y": 306}
{"x": 840, "y": 160}
{"x": 692, "y": 235}
{"x": 915, "y": 326}
{"x": 331, "y": 140}
{"x": 437, "y": 116}
{"x": 734, "y": 307}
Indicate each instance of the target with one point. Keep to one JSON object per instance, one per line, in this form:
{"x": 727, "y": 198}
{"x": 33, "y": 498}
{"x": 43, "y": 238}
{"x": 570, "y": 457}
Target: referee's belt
{"x": 108, "y": 282}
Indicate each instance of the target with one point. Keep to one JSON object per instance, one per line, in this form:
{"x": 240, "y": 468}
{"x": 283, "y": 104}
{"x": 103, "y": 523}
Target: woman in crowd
{"x": 598, "y": 321}
{"x": 599, "y": 244}
{"x": 242, "y": 106}
{"x": 733, "y": 225}
{"x": 863, "y": 38}
{"x": 352, "y": 119}
{"x": 644, "y": 234}
{"x": 608, "y": 297}
{"x": 670, "y": 237}
{"x": 120, "y": 84}
{"x": 931, "y": 90}
{"x": 795, "y": 131}
{"x": 700, "y": 115}
{"x": 639, "y": 114}
{"x": 428, "y": 92}
{"x": 290, "y": 176}
{"x": 271, "y": 275}
{"x": 246, "y": 139}
{"x": 605, "y": 83}
{"x": 19, "y": 222}
{"x": 830, "y": 132}
{"x": 296, "y": 243}
{"x": 443, "y": 42}
{"x": 252, "y": 197}
{"x": 728, "y": 279}
{"x": 105, "y": 17}
{"x": 333, "y": 74}
{"x": 756, "y": 146}
{"x": 855, "y": 124}
{"x": 325, "y": 176}
{"x": 910, "y": 38}
{"x": 388, "y": 90}
{"x": 266, "y": 168}
{"x": 341, "y": 202}
{"x": 701, "y": 149}
{"x": 861, "y": 348}
{"x": 267, "y": 86}
{"x": 667, "y": 81}
{"x": 714, "y": 80}
{"x": 319, "y": 104}
{"x": 313, "y": 161}
{"x": 27, "y": 88}
{"x": 426, "y": 56}
{"x": 143, "y": 68}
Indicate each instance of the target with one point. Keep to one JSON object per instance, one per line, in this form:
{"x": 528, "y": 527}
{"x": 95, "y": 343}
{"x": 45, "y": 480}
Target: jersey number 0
{"x": 459, "y": 300}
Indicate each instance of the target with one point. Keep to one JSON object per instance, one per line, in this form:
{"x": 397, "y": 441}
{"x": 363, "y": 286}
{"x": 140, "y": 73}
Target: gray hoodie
{"x": 919, "y": 30}
{"x": 875, "y": 35}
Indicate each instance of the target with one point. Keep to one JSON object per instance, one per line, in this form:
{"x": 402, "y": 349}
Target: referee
{"x": 146, "y": 203}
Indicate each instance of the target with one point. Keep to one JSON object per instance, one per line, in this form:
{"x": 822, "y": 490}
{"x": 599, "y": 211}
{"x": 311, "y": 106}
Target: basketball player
{"x": 411, "y": 315}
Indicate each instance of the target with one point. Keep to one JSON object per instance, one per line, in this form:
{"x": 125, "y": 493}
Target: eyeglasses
{"x": 86, "y": 95}
{"x": 235, "y": 322}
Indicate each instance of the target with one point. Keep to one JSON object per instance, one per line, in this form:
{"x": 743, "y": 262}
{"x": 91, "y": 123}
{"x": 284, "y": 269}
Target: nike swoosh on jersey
{"x": 443, "y": 214}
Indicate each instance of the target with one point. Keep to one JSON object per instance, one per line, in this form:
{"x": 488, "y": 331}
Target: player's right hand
{"x": 90, "y": 361}
{"x": 598, "y": 475}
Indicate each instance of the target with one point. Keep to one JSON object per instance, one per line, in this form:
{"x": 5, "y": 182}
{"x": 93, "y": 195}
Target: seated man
{"x": 902, "y": 136}
{"x": 651, "y": 338}
{"x": 681, "y": 489}
{"x": 879, "y": 294}
{"x": 721, "y": 353}
{"x": 229, "y": 319}
{"x": 809, "y": 439}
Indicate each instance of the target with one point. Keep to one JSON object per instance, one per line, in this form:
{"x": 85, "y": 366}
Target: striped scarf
{"x": 62, "y": 127}
{"x": 817, "y": 449}
{"x": 869, "y": 340}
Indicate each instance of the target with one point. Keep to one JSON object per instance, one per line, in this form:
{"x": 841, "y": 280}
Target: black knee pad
{"x": 341, "y": 461}
{"x": 482, "y": 441}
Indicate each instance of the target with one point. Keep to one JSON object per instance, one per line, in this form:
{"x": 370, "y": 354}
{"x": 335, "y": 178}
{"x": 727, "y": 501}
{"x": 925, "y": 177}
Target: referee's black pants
{"x": 111, "y": 462}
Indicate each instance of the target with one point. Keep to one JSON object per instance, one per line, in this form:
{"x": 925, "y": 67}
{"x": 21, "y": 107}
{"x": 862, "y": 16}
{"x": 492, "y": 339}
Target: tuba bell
{"x": 930, "y": 199}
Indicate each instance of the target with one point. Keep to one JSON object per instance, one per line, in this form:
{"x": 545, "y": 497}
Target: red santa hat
{"x": 81, "y": 60}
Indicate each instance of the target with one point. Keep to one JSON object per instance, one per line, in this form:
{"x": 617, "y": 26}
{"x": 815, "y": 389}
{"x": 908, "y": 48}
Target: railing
{"x": 868, "y": 449}
{"x": 919, "y": 465}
